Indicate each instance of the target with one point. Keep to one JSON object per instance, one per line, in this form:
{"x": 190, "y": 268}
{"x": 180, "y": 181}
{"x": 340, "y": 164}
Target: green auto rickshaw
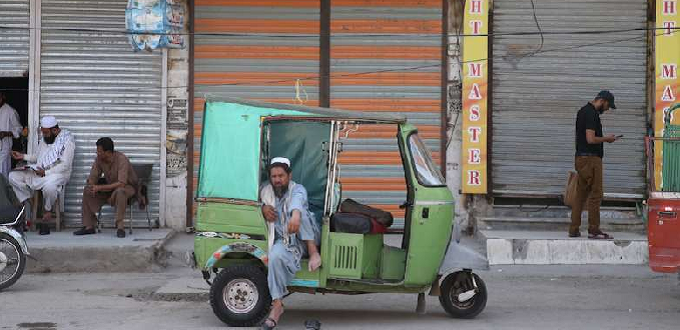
{"x": 231, "y": 240}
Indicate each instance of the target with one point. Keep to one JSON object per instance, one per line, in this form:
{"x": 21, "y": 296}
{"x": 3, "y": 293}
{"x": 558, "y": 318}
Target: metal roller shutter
{"x": 537, "y": 92}
{"x": 14, "y": 37}
{"x": 96, "y": 85}
{"x": 401, "y": 40}
{"x": 257, "y": 51}
{"x": 285, "y": 47}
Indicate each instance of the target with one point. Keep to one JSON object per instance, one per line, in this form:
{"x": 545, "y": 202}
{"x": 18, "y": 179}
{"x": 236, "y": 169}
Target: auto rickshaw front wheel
{"x": 463, "y": 295}
{"x": 239, "y": 295}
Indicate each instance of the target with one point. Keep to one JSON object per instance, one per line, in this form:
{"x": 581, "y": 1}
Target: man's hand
{"x": 269, "y": 213}
{"x": 294, "y": 223}
{"x": 40, "y": 172}
{"x": 17, "y": 155}
{"x": 610, "y": 138}
{"x": 91, "y": 189}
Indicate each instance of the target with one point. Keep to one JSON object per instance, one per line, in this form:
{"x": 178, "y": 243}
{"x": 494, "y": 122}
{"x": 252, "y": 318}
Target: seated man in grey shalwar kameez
{"x": 297, "y": 234}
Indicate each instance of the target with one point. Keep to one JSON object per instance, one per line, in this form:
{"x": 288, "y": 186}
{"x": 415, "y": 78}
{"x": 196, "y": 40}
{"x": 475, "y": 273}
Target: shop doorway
{"x": 16, "y": 93}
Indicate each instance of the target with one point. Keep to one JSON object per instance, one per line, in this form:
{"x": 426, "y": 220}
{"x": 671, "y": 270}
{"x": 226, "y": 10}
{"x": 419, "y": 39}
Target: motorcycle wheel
{"x": 456, "y": 284}
{"x": 12, "y": 261}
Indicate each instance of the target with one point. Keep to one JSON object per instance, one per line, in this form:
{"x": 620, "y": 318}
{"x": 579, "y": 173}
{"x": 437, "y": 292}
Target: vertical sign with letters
{"x": 475, "y": 92}
{"x": 667, "y": 39}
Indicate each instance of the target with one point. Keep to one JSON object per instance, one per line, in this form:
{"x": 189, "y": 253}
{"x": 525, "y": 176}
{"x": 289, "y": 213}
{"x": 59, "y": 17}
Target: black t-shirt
{"x": 588, "y": 118}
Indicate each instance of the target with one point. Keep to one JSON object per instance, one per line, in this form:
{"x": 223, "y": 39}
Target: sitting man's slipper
{"x": 600, "y": 235}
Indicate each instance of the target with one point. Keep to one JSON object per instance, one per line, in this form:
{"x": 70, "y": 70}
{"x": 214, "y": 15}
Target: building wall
{"x": 177, "y": 106}
{"x": 454, "y": 109}
{"x": 469, "y": 208}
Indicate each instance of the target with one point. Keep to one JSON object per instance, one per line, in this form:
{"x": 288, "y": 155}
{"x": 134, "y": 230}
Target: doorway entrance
{"x": 15, "y": 90}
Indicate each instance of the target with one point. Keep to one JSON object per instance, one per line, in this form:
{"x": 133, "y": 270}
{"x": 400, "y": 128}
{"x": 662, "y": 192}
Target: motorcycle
{"x": 13, "y": 248}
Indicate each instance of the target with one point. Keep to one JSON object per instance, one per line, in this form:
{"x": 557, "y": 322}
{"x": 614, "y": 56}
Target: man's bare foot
{"x": 47, "y": 216}
{"x": 275, "y": 314}
{"x": 314, "y": 261}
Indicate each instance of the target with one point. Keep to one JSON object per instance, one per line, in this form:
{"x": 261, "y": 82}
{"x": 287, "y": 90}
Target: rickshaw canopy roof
{"x": 230, "y": 143}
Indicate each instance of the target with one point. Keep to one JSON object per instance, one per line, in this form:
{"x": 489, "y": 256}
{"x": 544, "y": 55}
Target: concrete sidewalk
{"x": 505, "y": 247}
{"x": 62, "y": 252}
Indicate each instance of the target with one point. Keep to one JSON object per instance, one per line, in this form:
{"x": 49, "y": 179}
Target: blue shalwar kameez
{"x": 288, "y": 249}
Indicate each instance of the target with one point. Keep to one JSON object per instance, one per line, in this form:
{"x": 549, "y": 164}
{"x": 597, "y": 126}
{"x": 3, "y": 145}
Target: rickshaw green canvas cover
{"x": 233, "y": 132}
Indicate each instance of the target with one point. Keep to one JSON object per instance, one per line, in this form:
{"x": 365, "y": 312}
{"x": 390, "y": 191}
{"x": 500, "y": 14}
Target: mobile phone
{"x": 619, "y": 136}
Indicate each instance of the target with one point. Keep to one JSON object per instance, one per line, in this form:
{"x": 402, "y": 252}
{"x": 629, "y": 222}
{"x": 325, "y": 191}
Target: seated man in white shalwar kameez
{"x": 48, "y": 170}
{"x": 10, "y": 127}
{"x": 297, "y": 233}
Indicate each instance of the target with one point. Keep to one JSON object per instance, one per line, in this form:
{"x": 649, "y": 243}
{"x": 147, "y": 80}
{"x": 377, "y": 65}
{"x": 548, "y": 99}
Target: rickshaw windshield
{"x": 426, "y": 171}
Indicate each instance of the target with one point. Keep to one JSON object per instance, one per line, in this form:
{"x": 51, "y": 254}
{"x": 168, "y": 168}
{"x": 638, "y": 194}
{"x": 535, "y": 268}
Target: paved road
{"x": 548, "y": 297}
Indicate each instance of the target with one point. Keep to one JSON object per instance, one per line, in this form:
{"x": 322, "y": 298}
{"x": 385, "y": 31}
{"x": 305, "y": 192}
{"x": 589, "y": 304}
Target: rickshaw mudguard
{"x": 237, "y": 247}
{"x": 459, "y": 256}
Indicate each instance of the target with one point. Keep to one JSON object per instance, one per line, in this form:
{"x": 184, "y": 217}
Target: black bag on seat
{"x": 350, "y": 223}
{"x": 351, "y": 206}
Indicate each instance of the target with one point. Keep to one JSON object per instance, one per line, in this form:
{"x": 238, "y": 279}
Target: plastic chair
{"x": 143, "y": 172}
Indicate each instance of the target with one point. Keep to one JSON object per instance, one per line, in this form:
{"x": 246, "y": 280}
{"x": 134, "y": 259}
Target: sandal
{"x": 600, "y": 235}
{"x": 266, "y": 326}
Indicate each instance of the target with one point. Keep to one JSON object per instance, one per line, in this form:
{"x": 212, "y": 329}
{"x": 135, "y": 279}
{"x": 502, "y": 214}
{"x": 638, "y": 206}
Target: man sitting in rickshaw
{"x": 297, "y": 234}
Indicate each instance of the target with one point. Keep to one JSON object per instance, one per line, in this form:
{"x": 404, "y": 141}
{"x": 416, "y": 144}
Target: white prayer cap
{"x": 48, "y": 122}
{"x": 281, "y": 160}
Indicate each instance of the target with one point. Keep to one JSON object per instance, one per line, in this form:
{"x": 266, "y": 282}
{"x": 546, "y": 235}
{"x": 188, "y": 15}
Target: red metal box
{"x": 664, "y": 232}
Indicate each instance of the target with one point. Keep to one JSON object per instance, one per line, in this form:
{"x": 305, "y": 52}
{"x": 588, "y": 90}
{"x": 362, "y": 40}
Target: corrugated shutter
{"x": 96, "y": 85}
{"x": 266, "y": 45}
{"x": 254, "y": 50}
{"x": 537, "y": 92}
{"x": 401, "y": 42}
{"x": 14, "y": 37}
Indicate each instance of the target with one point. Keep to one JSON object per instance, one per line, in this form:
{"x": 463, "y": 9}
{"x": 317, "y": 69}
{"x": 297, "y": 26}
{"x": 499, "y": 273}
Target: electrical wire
{"x": 533, "y": 9}
{"x": 355, "y": 74}
{"x": 336, "y": 35}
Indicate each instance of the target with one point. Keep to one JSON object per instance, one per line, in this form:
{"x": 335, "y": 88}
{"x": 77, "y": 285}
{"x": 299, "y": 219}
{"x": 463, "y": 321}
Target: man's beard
{"x": 49, "y": 139}
{"x": 280, "y": 190}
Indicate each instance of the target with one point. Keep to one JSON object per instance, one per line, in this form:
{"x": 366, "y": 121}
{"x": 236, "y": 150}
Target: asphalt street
{"x": 520, "y": 297}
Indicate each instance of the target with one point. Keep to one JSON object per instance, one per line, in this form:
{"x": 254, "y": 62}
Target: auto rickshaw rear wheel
{"x": 239, "y": 295}
{"x": 459, "y": 283}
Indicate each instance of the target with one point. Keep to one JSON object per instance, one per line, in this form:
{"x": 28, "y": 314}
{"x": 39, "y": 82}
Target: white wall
{"x": 453, "y": 132}
{"x": 177, "y": 129}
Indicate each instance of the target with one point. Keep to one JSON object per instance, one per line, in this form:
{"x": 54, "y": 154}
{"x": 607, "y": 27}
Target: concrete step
{"x": 505, "y": 247}
{"x": 559, "y": 211}
{"x": 62, "y": 252}
{"x": 635, "y": 225}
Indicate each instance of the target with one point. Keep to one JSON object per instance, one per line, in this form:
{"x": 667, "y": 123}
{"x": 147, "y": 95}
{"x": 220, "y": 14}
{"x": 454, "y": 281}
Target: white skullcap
{"x": 281, "y": 160}
{"x": 48, "y": 122}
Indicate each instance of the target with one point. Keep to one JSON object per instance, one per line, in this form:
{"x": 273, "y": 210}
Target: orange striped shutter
{"x": 256, "y": 50}
{"x": 386, "y": 57}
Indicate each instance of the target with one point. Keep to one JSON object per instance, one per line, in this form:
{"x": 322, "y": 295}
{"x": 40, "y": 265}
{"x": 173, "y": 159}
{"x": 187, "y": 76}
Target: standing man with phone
{"x": 588, "y": 164}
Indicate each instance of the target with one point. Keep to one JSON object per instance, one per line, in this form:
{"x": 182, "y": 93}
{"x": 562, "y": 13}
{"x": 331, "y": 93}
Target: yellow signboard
{"x": 667, "y": 41}
{"x": 475, "y": 93}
